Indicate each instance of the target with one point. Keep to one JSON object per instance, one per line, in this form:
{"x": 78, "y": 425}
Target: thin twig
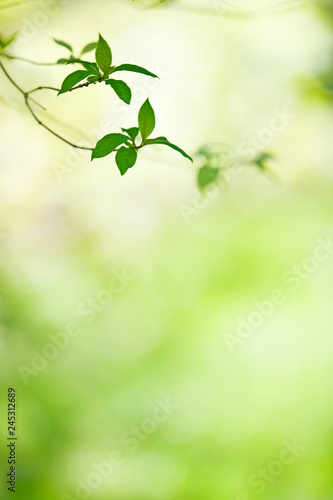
{"x": 38, "y": 103}
{"x": 30, "y": 61}
{"x": 43, "y": 88}
{"x": 26, "y": 97}
{"x": 10, "y": 79}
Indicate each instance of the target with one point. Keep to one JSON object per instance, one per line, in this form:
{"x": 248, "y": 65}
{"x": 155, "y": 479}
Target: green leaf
{"x": 131, "y": 132}
{"x": 88, "y": 48}
{"x": 125, "y": 159}
{"x": 93, "y": 78}
{"x": 62, "y": 61}
{"x": 90, "y": 66}
{"x": 134, "y": 69}
{"x": 121, "y": 89}
{"x": 206, "y": 176}
{"x": 73, "y": 60}
{"x": 103, "y": 55}
{"x": 146, "y": 120}
{"x": 63, "y": 44}
{"x": 107, "y": 144}
{"x": 261, "y": 160}
{"x": 4, "y": 42}
{"x": 72, "y": 79}
{"x": 164, "y": 141}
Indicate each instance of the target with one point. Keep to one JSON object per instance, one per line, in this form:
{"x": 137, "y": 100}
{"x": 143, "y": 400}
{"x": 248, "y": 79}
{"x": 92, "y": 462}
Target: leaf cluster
{"x": 216, "y": 160}
{"x": 126, "y": 155}
{"x": 100, "y": 70}
{"x": 131, "y": 140}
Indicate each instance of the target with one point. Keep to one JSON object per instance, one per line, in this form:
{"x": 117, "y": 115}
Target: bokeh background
{"x": 68, "y": 225}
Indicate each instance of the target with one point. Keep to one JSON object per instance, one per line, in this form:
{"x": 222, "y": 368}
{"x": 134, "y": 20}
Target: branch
{"x": 84, "y": 85}
{"x": 42, "y": 88}
{"x": 26, "y": 97}
{"x": 30, "y": 61}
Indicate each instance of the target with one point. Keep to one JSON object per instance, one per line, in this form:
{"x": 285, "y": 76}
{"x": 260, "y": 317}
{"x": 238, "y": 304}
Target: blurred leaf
{"x": 63, "y": 44}
{"x": 206, "y": 176}
{"x": 4, "y": 42}
{"x": 121, "y": 89}
{"x": 88, "y": 48}
{"x": 72, "y": 60}
{"x": 125, "y": 159}
{"x": 261, "y": 160}
{"x": 107, "y": 144}
{"x": 62, "y": 61}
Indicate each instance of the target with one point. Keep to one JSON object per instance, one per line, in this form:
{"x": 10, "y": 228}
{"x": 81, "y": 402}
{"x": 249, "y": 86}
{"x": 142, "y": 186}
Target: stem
{"x": 38, "y": 104}
{"x": 7, "y": 56}
{"x": 26, "y": 101}
{"x": 10, "y": 79}
{"x": 42, "y": 88}
{"x": 84, "y": 85}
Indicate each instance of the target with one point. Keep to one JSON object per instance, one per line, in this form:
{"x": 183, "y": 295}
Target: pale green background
{"x": 163, "y": 335}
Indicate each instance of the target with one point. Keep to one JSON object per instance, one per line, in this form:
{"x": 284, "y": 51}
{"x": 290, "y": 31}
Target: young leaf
{"x": 88, "y": 48}
{"x": 72, "y": 79}
{"x": 90, "y": 66}
{"x": 63, "y": 44}
{"x": 131, "y": 132}
{"x": 107, "y": 144}
{"x": 121, "y": 89}
{"x": 134, "y": 69}
{"x": 125, "y": 159}
{"x": 146, "y": 120}
{"x": 164, "y": 141}
{"x": 92, "y": 78}
{"x": 206, "y": 176}
{"x": 103, "y": 55}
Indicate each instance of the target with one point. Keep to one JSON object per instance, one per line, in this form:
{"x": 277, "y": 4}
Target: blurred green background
{"x": 191, "y": 280}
